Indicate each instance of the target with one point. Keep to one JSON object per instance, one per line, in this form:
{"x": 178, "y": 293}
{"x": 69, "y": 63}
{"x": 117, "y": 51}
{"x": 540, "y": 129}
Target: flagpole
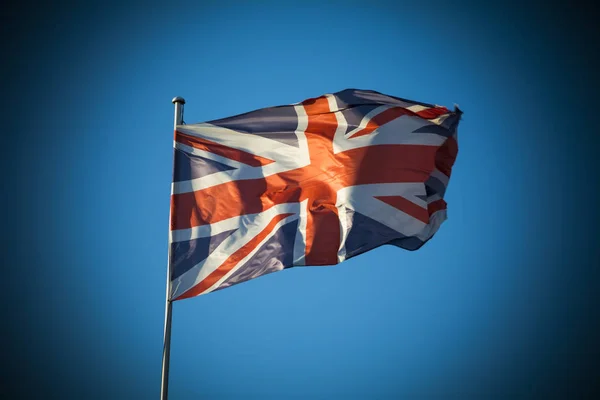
{"x": 164, "y": 387}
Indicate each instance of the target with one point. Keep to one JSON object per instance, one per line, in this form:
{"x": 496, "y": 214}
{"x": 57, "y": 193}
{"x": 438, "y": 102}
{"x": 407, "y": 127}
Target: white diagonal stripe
{"x": 367, "y": 118}
{"x": 251, "y": 254}
{"x": 253, "y": 144}
{"x": 398, "y": 131}
{"x": 249, "y": 226}
{"x": 207, "y": 154}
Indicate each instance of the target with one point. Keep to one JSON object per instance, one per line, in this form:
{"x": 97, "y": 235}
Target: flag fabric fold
{"x": 306, "y": 184}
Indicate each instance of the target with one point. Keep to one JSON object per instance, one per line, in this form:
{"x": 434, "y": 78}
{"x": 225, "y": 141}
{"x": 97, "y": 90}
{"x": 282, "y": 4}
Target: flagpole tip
{"x": 178, "y": 100}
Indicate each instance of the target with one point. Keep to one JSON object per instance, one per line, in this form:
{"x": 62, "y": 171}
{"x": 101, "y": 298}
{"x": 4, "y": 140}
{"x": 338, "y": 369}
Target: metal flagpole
{"x": 164, "y": 387}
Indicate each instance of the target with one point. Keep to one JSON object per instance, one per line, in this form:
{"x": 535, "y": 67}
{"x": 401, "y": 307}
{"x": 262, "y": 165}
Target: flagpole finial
{"x": 179, "y": 102}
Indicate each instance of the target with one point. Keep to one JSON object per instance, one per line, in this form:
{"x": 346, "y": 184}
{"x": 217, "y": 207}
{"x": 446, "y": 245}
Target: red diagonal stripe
{"x": 396, "y": 112}
{"x": 407, "y": 207}
{"x": 239, "y": 155}
{"x": 432, "y": 113}
{"x": 383, "y": 118}
{"x": 233, "y": 260}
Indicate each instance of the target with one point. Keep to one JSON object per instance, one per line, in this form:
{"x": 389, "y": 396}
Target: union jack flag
{"x": 311, "y": 183}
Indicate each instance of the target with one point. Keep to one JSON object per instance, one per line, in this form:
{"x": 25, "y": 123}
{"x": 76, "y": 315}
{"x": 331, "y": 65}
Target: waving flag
{"x": 312, "y": 183}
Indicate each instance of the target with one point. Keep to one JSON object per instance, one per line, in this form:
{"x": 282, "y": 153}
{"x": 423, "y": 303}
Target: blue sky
{"x": 491, "y": 307}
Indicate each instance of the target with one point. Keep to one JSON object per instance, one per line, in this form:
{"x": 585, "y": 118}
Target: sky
{"x": 500, "y": 303}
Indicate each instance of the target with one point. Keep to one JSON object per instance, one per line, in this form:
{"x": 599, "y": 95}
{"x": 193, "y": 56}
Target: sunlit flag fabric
{"x": 311, "y": 183}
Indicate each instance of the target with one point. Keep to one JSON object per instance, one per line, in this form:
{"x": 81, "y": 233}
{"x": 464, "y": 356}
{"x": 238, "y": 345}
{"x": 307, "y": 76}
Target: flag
{"x": 306, "y": 184}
